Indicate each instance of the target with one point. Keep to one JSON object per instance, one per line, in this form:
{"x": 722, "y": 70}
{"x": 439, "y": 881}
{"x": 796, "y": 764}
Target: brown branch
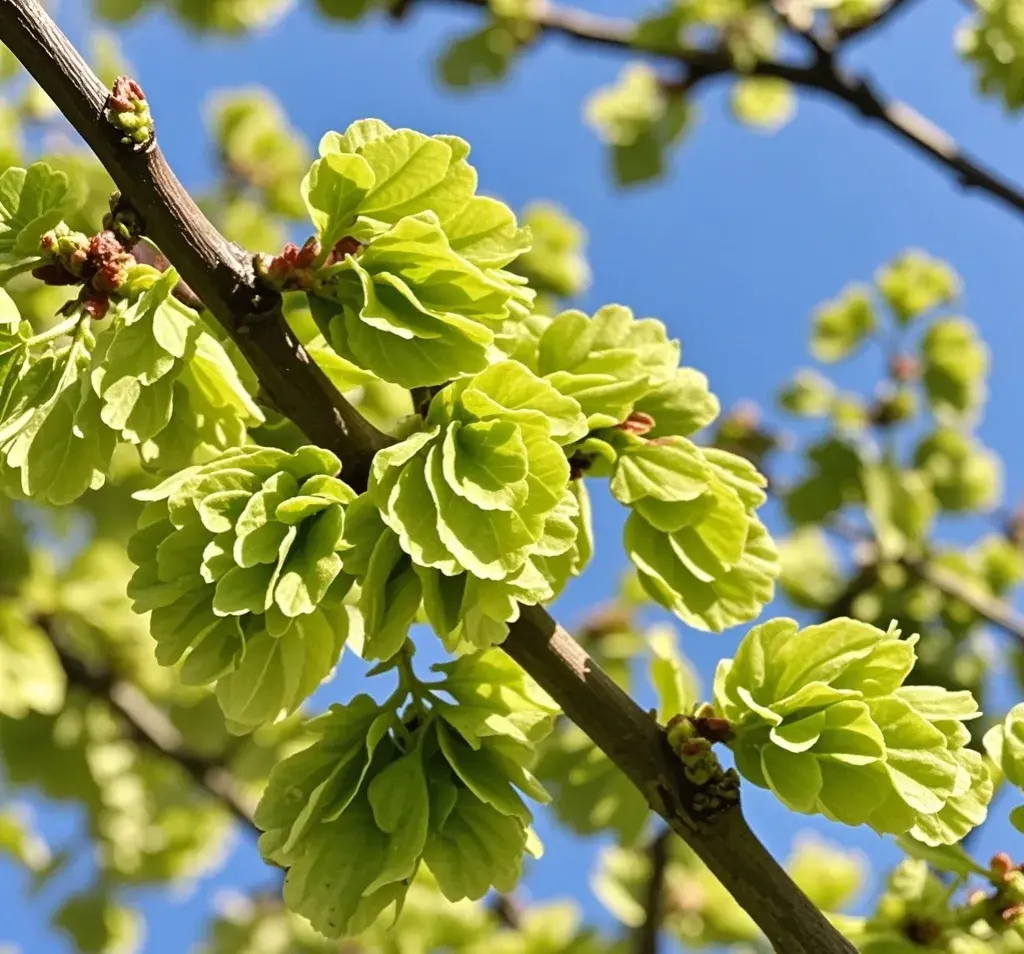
{"x": 149, "y": 727}
{"x": 992, "y": 609}
{"x": 821, "y": 74}
{"x": 654, "y": 902}
{"x": 216, "y": 271}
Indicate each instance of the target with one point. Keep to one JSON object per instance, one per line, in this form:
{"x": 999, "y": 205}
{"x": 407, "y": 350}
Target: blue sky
{"x": 733, "y": 250}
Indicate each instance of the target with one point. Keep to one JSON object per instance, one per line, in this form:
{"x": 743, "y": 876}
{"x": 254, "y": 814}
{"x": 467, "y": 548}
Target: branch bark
{"x": 218, "y": 273}
{"x": 654, "y": 902}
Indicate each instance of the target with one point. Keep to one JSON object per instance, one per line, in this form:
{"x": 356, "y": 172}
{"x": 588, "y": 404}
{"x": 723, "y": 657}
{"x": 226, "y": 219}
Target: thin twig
{"x": 821, "y": 74}
{"x": 149, "y": 727}
{"x": 654, "y": 901}
{"x": 992, "y": 609}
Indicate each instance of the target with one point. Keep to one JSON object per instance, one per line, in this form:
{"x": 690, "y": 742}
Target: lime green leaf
{"x": 31, "y": 675}
{"x": 672, "y": 675}
{"x": 914, "y": 284}
{"x": 841, "y": 326}
{"x": 475, "y": 849}
{"x": 555, "y": 262}
{"x": 809, "y": 394}
{"x": 32, "y": 202}
{"x": 20, "y": 842}
{"x": 98, "y": 925}
{"x": 955, "y": 365}
{"x": 763, "y": 102}
{"x": 964, "y": 475}
{"x": 333, "y": 190}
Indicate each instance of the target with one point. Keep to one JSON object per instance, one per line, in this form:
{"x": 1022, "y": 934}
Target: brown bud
{"x": 637, "y": 423}
{"x": 1001, "y": 864}
{"x": 903, "y": 368}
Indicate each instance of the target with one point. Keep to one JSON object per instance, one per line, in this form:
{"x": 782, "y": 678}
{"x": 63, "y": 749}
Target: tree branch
{"x": 150, "y": 728}
{"x": 822, "y": 74}
{"x": 218, "y": 274}
{"x": 654, "y": 902}
{"x": 992, "y": 609}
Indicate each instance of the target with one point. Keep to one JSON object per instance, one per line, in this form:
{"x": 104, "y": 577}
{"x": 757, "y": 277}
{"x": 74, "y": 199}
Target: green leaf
{"x": 400, "y": 803}
{"x": 955, "y": 366}
{"x": 914, "y": 284}
{"x": 763, "y": 102}
{"x": 830, "y": 876}
{"x": 706, "y": 599}
{"x": 900, "y": 506}
{"x": 809, "y": 394}
{"x": 964, "y": 475}
{"x": 841, "y": 326}
{"x": 98, "y": 925}
{"x": 555, "y": 261}
{"x": 475, "y": 849}
{"x": 821, "y": 717}
{"x": 32, "y": 202}
{"x": 591, "y": 794}
{"x": 31, "y": 676}
{"x": 672, "y": 676}
{"x": 1005, "y": 745}
{"x": 333, "y": 190}
{"x": 479, "y": 58}
{"x": 834, "y": 480}
{"x": 19, "y": 842}
{"x": 669, "y": 469}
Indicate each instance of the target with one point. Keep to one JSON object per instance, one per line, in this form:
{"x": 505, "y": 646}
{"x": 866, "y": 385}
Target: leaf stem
{"x": 59, "y": 330}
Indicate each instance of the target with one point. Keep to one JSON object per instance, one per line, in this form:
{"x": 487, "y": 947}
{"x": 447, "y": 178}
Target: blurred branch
{"x": 992, "y": 609}
{"x": 150, "y": 728}
{"x": 222, "y": 277}
{"x": 654, "y": 902}
{"x": 821, "y": 74}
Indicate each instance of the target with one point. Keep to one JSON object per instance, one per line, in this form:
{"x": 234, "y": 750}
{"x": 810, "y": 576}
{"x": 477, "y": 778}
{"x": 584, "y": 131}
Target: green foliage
{"x": 478, "y": 512}
{"x": 964, "y": 475}
{"x": 555, "y": 263}
{"x": 153, "y": 377}
{"x": 214, "y": 16}
{"x": 20, "y": 842}
{"x": 822, "y": 718}
{"x": 379, "y": 792}
{"x": 239, "y": 563}
{"x": 955, "y": 364}
{"x": 763, "y": 102}
{"x": 98, "y": 925}
{"x": 639, "y": 119}
{"x": 993, "y": 43}
{"x": 418, "y": 298}
{"x": 418, "y": 286}
{"x": 259, "y": 149}
{"x": 841, "y": 326}
{"x": 913, "y": 284}
{"x": 31, "y": 676}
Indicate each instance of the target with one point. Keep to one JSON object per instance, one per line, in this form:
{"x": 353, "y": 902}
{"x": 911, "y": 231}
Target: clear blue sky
{"x": 732, "y": 251}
